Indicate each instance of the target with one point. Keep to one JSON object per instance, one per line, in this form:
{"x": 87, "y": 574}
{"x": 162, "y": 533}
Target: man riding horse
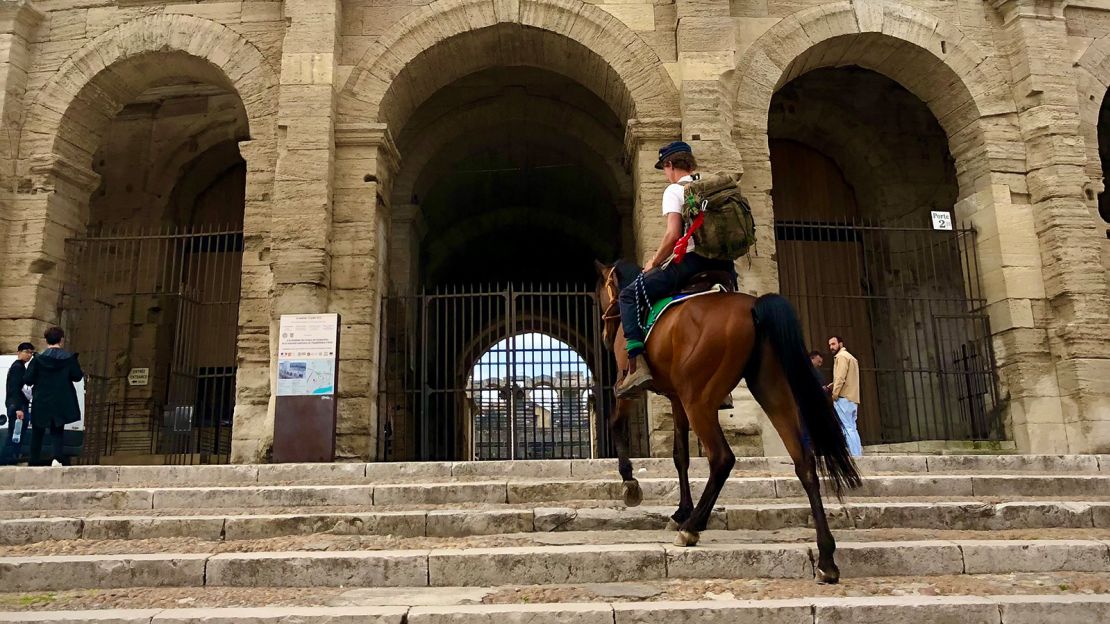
{"x": 662, "y": 276}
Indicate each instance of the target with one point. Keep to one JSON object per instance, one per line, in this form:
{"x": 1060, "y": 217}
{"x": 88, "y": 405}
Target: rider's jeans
{"x": 659, "y": 283}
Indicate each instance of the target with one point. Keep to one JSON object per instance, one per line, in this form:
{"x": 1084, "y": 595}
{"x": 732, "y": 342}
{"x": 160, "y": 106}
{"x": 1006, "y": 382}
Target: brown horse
{"x": 698, "y": 352}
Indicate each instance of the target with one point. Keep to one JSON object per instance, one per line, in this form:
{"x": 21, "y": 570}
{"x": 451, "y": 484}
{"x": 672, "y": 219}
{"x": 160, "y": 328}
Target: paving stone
{"x": 545, "y": 565}
{"x": 739, "y": 561}
{"x": 401, "y": 568}
{"x": 284, "y": 615}
{"x": 915, "y": 610}
{"x": 439, "y": 493}
{"x": 31, "y": 530}
{"x": 34, "y": 500}
{"x": 264, "y": 496}
{"x": 722, "y": 612}
{"x": 397, "y": 523}
{"x": 921, "y": 558}
{"x": 513, "y": 614}
{"x": 460, "y": 523}
{"x": 1054, "y": 609}
{"x": 136, "y": 527}
{"x": 316, "y": 473}
{"x": 101, "y": 571}
{"x": 1001, "y": 557}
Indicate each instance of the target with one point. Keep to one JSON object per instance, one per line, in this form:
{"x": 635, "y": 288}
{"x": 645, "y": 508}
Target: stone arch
{"x": 1093, "y": 77}
{"x": 71, "y": 111}
{"x": 570, "y": 37}
{"x": 429, "y": 144}
{"x": 964, "y": 88}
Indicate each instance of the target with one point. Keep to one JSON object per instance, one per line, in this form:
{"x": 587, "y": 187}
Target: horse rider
{"x": 661, "y": 276}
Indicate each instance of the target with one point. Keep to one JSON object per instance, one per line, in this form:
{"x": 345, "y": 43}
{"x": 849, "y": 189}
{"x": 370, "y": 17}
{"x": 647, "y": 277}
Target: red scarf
{"x": 680, "y": 246}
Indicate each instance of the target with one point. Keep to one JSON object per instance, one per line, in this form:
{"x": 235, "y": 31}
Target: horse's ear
{"x": 600, "y": 267}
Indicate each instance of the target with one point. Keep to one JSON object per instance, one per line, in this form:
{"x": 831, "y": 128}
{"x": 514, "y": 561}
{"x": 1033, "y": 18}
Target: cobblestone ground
{"x": 324, "y": 542}
{"x": 1060, "y": 583}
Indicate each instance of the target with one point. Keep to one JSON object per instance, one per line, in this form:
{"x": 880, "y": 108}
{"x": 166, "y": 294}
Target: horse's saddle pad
{"x": 705, "y": 283}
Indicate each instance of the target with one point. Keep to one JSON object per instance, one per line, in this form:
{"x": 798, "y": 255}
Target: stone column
{"x": 366, "y": 160}
{"x": 1034, "y": 37}
{"x": 405, "y": 233}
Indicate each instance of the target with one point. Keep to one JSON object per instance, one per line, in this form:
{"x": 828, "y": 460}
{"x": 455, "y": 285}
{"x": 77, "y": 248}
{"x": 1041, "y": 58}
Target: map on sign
{"x": 306, "y": 355}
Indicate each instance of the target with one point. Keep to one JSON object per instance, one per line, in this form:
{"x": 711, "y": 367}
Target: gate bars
{"x": 164, "y": 299}
{"x": 908, "y": 303}
{"x": 496, "y": 372}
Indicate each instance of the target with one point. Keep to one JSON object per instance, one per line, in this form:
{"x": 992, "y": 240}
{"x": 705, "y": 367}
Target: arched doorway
{"x": 151, "y": 288}
{"x": 1104, "y": 197}
{"x": 860, "y": 167}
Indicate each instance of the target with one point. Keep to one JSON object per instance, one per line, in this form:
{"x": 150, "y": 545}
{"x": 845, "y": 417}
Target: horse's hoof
{"x": 633, "y": 495}
{"x": 828, "y": 578}
{"x": 687, "y": 538}
{"x": 672, "y": 524}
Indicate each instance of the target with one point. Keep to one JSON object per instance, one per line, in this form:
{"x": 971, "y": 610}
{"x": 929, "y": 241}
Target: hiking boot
{"x": 637, "y": 379}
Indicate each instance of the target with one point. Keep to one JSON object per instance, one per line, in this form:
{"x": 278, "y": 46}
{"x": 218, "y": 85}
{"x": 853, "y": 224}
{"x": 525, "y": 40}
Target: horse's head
{"x": 608, "y": 287}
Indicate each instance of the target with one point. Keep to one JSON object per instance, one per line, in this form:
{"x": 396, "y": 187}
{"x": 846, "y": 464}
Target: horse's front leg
{"x": 620, "y": 427}
{"x": 681, "y": 456}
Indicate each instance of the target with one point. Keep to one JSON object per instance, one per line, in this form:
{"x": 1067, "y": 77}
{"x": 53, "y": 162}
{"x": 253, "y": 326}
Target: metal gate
{"x": 908, "y": 303}
{"x": 166, "y": 301}
{"x": 496, "y": 373}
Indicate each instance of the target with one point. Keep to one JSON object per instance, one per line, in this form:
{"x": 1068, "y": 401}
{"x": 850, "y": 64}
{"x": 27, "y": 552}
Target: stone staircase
{"x": 947, "y": 538}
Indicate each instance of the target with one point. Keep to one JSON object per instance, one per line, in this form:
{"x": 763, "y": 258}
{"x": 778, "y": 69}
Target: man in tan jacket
{"x": 845, "y": 392}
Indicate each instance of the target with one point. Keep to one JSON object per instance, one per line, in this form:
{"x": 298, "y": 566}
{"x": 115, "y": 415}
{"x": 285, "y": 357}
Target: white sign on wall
{"x": 942, "y": 220}
{"x": 138, "y": 377}
{"x": 306, "y": 354}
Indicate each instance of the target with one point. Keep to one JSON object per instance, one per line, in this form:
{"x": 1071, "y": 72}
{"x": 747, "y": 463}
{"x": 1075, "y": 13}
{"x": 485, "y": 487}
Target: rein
{"x": 609, "y": 314}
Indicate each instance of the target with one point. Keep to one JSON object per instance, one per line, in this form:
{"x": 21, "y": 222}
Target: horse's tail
{"x": 777, "y": 322}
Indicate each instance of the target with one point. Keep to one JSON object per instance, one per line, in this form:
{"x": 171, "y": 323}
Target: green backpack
{"x": 727, "y": 231}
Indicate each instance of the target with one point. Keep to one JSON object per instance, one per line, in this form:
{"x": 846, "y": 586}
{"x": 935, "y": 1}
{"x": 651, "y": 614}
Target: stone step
{"x": 78, "y": 476}
{"x": 544, "y": 565}
{"x": 958, "y": 515}
{"x": 525, "y": 492}
{"x": 902, "y": 609}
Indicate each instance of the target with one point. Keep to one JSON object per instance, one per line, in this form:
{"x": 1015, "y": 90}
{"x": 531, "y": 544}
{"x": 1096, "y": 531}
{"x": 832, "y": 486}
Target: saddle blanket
{"x": 661, "y": 306}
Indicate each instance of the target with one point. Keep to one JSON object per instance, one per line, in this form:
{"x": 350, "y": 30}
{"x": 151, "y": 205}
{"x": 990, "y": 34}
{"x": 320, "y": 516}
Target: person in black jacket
{"x": 15, "y": 401}
{"x": 51, "y": 375}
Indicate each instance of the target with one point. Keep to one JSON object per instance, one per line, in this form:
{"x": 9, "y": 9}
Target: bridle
{"x": 612, "y": 311}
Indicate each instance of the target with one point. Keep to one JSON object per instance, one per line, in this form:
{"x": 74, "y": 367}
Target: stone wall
{"x": 328, "y": 86}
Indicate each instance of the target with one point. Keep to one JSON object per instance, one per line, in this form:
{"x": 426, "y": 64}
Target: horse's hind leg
{"x": 772, "y": 392}
{"x": 703, "y": 418}
{"x": 620, "y": 427}
{"x": 681, "y": 456}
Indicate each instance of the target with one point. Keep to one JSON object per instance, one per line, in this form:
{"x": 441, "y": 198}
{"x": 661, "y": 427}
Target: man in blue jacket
{"x": 51, "y": 375}
{"x": 16, "y": 401}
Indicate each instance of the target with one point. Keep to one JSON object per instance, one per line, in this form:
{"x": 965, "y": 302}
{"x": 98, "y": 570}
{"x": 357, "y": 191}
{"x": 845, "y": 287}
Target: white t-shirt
{"x": 672, "y": 202}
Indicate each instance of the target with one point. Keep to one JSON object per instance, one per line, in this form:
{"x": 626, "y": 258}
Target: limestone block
{"x": 739, "y": 561}
{"x": 220, "y": 12}
{"x": 316, "y": 473}
{"x": 102, "y": 571}
{"x": 408, "y": 568}
{"x": 385, "y": 472}
{"x": 66, "y": 476}
{"x": 31, "y": 530}
{"x": 520, "y": 469}
{"x": 947, "y": 485}
{"x": 715, "y": 612}
{"x": 705, "y": 65}
{"x": 21, "y": 500}
{"x": 1054, "y": 610}
{"x": 529, "y": 492}
{"x": 439, "y": 493}
{"x": 704, "y": 8}
{"x": 285, "y": 496}
{"x": 397, "y": 523}
{"x": 1036, "y": 464}
{"x": 513, "y": 614}
{"x": 916, "y": 610}
{"x": 705, "y": 34}
{"x": 459, "y": 523}
{"x": 137, "y": 527}
{"x": 1004, "y": 557}
{"x": 1060, "y": 485}
{"x": 545, "y": 565}
{"x": 931, "y": 558}
{"x": 284, "y": 615}
{"x": 191, "y": 475}
{"x": 639, "y": 17}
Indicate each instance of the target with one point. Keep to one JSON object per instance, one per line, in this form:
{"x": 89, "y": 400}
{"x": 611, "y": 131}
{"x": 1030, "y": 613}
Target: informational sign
{"x": 138, "y": 377}
{"x": 942, "y": 220}
{"x": 307, "y": 350}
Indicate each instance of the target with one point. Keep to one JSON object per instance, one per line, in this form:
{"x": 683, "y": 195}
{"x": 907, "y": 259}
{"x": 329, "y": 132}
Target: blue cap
{"x": 669, "y": 149}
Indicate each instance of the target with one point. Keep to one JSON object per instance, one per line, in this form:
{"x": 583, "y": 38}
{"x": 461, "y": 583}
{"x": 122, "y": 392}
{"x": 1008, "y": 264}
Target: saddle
{"x": 706, "y": 280}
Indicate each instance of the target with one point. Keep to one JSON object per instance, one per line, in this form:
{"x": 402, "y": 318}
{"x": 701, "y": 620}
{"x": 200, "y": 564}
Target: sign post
{"x": 307, "y": 379}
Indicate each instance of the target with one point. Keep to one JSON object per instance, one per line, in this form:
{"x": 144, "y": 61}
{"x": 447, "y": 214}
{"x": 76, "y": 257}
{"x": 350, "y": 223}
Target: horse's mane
{"x": 626, "y": 272}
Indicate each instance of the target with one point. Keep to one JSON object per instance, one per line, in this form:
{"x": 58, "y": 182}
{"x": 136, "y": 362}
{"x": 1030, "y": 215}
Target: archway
{"x": 860, "y": 165}
{"x": 135, "y": 163}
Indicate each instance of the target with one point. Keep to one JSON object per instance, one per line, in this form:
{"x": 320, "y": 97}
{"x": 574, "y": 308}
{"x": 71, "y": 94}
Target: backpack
{"x": 727, "y": 230}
